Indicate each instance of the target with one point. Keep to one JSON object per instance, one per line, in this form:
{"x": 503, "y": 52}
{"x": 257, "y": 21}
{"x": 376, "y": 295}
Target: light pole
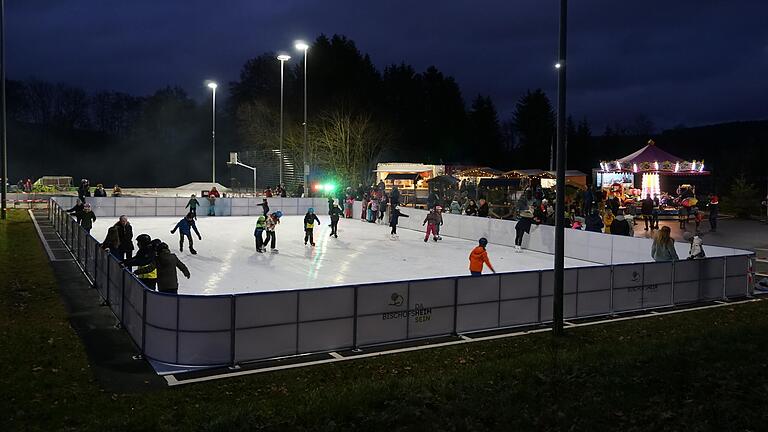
{"x": 212, "y": 86}
{"x": 283, "y": 58}
{"x": 302, "y": 46}
{"x": 4, "y": 151}
{"x": 557, "y": 303}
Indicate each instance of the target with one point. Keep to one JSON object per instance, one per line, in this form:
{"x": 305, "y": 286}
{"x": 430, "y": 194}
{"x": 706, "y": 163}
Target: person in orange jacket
{"x": 478, "y": 257}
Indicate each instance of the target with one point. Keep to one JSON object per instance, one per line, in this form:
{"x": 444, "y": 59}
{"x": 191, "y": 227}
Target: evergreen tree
{"x": 485, "y": 133}
{"x": 534, "y": 121}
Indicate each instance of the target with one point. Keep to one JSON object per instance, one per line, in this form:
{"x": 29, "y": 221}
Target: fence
{"x": 231, "y": 329}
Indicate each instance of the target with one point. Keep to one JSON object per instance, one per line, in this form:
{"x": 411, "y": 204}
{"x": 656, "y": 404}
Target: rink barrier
{"x": 231, "y": 329}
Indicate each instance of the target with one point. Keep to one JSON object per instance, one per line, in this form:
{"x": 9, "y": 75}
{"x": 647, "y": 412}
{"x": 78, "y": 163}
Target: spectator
{"x": 663, "y": 247}
{"x": 608, "y": 220}
{"x": 697, "y": 246}
{"x": 646, "y": 209}
{"x": 620, "y": 226}
{"x": 594, "y": 222}
{"x": 471, "y": 209}
{"x": 84, "y": 190}
{"x": 87, "y": 218}
{"x": 714, "y": 211}
{"x": 117, "y": 192}
{"x": 483, "y": 210}
{"x": 77, "y": 210}
{"x": 111, "y": 242}
{"x": 99, "y": 191}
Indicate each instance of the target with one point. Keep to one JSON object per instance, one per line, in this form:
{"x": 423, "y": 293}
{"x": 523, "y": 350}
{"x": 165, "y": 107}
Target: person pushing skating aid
{"x": 309, "y": 226}
{"x": 185, "y": 227}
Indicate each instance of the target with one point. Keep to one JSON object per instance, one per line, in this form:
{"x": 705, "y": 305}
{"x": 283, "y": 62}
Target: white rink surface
{"x": 228, "y": 263}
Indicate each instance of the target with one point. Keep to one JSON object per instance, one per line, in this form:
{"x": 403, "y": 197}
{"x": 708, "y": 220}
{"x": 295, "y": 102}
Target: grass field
{"x": 703, "y": 370}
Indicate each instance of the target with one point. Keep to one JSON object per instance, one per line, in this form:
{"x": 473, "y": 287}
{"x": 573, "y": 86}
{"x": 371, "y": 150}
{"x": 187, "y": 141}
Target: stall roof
{"x": 403, "y": 176}
{"x": 531, "y": 173}
{"x": 478, "y": 172}
{"x": 500, "y": 182}
{"x": 444, "y": 178}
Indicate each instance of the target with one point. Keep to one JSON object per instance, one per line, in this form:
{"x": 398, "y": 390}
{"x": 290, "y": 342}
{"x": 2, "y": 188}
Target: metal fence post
{"x": 143, "y": 322}
{"x": 122, "y": 299}
{"x": 455, "y": 304}
{"x": 232, "y": 325}
{"x": 106, "y": 299}
{"x": 725, "y": 278}
{"x": 610, "y": 283}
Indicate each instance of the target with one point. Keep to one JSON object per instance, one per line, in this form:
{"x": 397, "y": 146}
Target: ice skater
{"x": 185, "y": 227}
{"x": 431, "y": 221}
{"x": 270, "y": 224}
{"x": 145, "y": 261}
{"x": 258, "y": 233}
{"x": 166, "y": 264}
{"x": 478, "y": 257}
{"x": 265, "y": 206}
{"x": 309, "y": 226}
{"x": 522, "y": 227}
{"x": 192, "y": 205}
{"x": 393, "y": 219}
{"x": 335, "y": 213}
{"x": 439, "y": 213}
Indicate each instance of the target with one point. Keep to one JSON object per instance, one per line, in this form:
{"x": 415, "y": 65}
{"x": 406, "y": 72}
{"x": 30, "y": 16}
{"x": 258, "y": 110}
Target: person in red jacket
{"x": 478, "y": 257}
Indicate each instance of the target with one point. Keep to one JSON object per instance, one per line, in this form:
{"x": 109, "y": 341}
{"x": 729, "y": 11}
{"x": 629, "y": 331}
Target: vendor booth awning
{"x": 404, "y": 176}
{"x": 651, "y": 159}
{"x": 451, "y": 180}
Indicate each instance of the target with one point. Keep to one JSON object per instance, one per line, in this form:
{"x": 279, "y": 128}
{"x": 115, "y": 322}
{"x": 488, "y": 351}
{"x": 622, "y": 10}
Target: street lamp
{"x": 302, "y": 46}
{"x": 212, "y": 85}
{"x": 283, "y": 58}
{"x": 559, "y": 265}
{"x": 4, "y": 150}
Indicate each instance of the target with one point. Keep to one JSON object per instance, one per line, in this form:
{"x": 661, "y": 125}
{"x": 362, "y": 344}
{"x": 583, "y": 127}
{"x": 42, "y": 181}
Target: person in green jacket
{"x": 192, "y": 205}
{"x": 663, "y": 247}
{"x": 261, "y": 223}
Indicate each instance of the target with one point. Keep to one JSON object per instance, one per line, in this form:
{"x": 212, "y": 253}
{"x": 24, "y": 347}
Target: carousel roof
{"x": 653, "y": 159}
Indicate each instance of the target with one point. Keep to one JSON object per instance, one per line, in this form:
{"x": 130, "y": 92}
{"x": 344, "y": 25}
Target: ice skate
{"x": 274, "y": 251}
{"x": 518, "y": 249}
{"x": 192, "y": 251}
{"x": 313, "y": 245}
{"x": 335, "y": 236}
{"x": 434, "y": 239}
{"x": 425, "y": 240}
{"x": 181, "y": 248}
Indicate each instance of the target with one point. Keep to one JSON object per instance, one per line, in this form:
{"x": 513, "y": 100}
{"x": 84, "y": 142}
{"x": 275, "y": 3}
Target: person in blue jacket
{"x": 185, "y": 227}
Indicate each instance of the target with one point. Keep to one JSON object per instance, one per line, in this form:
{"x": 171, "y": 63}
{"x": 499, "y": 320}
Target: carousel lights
{"x": 634, "y": 167}
{"x": 677, "y": 166}
{"x": 618, "y": 165}
{"x": 656, "y": 165}
{"x": 701, "y": 168}
{"x": 693, "y": 167}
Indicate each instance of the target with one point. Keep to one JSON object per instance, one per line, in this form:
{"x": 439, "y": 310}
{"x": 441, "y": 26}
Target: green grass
{"x": 703, "y": 370}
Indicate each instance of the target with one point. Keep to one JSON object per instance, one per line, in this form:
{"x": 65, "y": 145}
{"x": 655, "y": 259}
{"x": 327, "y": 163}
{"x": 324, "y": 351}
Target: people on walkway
{"x": 646, "y": 209}
{"x": 608, "y": 220}
{"x": 593, "y": 221}
{"x": 479, "y": 257}
{"x": 714, "y": 212}
{"x": 185, "y": 227}
{"x": 620, "y": 226}
{"x": 663, "y": 247}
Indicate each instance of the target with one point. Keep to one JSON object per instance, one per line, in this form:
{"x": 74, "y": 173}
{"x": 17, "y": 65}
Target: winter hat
{"x": 278, "y": 214}
{"x": 87, "y": 205}
{"x": 311, "y": 210}
{"x": 526, "y": 214}
{"x": 483, "y": 241}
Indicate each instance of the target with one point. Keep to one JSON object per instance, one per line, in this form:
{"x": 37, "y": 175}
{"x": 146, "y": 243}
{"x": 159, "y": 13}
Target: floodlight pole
{"x": 557, "y": 303}
{"x": 4, "y": 152}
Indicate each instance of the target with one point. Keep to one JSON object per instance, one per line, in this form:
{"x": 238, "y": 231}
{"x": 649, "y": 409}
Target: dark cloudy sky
{"x": 677, "y": 61}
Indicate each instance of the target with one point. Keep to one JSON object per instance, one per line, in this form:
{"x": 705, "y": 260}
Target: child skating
{"x": 393, "y": 220}
{"x": 185, "y": 227}
{"x": 192, "y": 205}
{"x": 335, "y": 213}
{"x": 269, "y": 225}
{"x": 309, "y": 226}
{"x": 431, "y": 221}
{"x": 478, "y": 257}
{"x": 258, "y": 233}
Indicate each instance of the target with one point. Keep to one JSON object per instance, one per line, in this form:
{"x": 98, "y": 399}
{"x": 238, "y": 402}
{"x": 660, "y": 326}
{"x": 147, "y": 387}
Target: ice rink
{"x": 227, "y": 261}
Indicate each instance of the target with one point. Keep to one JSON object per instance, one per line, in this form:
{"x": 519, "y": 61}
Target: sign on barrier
{"x": 382, "y": 311}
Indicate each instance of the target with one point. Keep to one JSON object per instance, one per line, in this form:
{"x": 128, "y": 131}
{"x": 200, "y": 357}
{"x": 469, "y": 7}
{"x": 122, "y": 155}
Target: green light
{"x": 329, "y": 187}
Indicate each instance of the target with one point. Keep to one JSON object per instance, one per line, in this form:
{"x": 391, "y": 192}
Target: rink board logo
{"x": 396, "y": 299}
{"x": 420, "y": 313}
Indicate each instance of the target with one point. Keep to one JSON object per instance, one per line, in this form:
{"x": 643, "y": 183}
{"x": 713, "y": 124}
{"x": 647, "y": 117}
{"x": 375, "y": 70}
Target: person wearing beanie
{"x": 478, "y": 257}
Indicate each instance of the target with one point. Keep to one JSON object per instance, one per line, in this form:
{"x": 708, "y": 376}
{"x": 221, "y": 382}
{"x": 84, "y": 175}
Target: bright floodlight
{"x": 283, "y": 57}
{"x": 301, "y": 46}
{"x": 557, "y": 65}
{"x": 212, "y": 85}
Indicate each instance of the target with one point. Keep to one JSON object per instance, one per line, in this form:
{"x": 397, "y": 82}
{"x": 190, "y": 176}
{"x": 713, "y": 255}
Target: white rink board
{"x": 227, "y": 262}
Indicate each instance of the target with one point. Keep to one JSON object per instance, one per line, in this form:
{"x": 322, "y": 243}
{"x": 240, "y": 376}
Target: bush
{"x": 743, "y": 198}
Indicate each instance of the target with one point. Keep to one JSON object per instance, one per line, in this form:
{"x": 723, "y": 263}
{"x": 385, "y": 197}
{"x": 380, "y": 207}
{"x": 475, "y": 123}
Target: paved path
{"x": 735, "y": 233}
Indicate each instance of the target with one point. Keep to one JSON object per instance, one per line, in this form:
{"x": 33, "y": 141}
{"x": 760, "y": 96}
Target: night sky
{"x": 678, "y": 62}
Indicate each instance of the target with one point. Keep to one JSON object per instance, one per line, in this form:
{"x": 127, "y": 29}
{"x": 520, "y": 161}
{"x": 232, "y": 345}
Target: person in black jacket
{"x": 335, "y": 213}
{"x": 265, "y": 206}
{"x": 394, "y": 218}
{"x": 145, "y": 261}
{"x": 471, "y": 209}
{"x": 646, "y": 209}
{"x": 483, "y": 210}
{"x": 166, "y": 264}
{"x": 309, "y": 226}
{"x": 620, "y": 226}
{"x": 87, "y": 218}
{"x": 594, "y": 222}
{"x": 77, "y": 210}
{"x": 84, "y": 190}
{"x": 125, "y": 231}
{"x": 523, "y": 226}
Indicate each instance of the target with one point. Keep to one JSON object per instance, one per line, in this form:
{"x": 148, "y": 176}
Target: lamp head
{"x": 301, "y": 45}
{"x": 212, "y": 85}
{"x": 283, "y": 57}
